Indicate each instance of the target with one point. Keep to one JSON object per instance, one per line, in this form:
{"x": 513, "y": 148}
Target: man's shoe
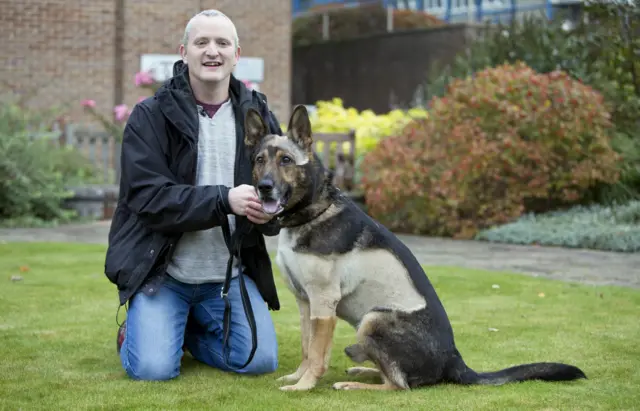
{"x": 121, "y": 332}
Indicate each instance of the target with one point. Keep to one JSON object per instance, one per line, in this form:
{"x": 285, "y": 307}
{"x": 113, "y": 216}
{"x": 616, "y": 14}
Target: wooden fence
{"x": 98, "y": 146}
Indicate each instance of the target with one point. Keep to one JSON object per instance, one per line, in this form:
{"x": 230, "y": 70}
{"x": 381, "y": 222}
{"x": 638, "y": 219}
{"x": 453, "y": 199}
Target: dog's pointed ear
{"x": 299, "y": 128}
{"x": 254, "y": 128}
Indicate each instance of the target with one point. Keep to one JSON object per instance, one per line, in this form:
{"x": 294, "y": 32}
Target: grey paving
{"x": 585, "y": 266}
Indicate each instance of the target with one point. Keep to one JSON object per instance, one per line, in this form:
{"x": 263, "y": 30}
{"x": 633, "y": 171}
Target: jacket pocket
{"x": 126, "y": 242}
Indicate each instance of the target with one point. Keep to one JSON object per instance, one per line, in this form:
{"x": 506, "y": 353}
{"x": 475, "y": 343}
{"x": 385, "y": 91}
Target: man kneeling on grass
{"x": 186, "y": 205}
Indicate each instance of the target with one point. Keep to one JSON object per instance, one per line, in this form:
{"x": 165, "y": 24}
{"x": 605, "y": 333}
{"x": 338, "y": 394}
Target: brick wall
{"x": 58, "y": 52}
{"x": 69, "y": 50}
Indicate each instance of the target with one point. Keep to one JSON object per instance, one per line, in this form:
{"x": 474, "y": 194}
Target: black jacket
{"x": 158, "y": 200}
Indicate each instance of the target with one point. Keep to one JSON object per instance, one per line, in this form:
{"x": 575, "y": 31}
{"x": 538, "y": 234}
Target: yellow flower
{"x": 333, "y": 117}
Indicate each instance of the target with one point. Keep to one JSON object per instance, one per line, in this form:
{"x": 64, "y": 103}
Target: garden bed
{"x": 609, "y": 228}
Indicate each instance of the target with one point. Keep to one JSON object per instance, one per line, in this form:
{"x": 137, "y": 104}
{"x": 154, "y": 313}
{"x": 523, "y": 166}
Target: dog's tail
{"x": 545, "y": 371}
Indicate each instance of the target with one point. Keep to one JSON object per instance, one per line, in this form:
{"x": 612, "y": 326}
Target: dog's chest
{"x": 303, "y": 273}
{"x": 291, "y": 264}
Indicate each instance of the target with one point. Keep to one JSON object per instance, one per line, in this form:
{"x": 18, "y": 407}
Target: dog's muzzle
{"x": 270, "y": 197}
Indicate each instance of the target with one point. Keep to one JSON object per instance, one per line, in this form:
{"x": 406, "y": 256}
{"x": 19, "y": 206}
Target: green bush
{"x": 610, "y": 228}
{"x": 34, "y": 170}
{"x": 541, "y": 44}
{"x": 74, "y": 167}
{"x": 612, "y": 38}
{"x": 628, "y": 187}
{"x": 602, "y": 53}
{"x": 498, "y": 144}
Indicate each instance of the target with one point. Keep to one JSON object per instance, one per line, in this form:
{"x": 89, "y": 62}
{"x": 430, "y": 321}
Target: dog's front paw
{"x": 289, "y": 378}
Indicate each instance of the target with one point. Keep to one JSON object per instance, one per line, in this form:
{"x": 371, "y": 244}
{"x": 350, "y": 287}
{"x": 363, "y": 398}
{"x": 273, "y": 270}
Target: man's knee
{"x": 144, "y": 363}
{"x": 151, "y": 349}
{"x": 265, "y": 361}
{"x": 152, "y": 369}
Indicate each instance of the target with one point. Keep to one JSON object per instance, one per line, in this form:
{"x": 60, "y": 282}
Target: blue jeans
{"x": 155, "y": 330}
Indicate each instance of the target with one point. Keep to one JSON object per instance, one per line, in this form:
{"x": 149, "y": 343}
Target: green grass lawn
{"x": 58, "y": 329}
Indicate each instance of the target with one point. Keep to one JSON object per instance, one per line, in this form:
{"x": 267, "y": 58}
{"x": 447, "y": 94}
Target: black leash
{"x": 236, "y": 245}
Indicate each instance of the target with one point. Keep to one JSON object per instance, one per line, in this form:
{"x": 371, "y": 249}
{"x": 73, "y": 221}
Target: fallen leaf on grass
{"x": 493, "y": 329}
{"x": 495, "y": 286}
{"x": 24, "y": 268}
{"x": 541, "y": 295}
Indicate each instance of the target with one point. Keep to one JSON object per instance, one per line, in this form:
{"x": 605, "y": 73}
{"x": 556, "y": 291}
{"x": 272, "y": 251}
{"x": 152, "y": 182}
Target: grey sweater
{"x": 201, "y": 256}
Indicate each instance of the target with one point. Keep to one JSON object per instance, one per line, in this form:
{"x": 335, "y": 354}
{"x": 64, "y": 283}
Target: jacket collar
{"x": 178, "y": 103}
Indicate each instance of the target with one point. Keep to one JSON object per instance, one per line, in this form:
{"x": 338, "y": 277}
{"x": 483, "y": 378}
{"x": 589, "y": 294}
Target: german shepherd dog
{"x": 340, "y": 263}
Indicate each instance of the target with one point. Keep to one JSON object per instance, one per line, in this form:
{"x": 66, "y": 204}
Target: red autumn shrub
{"x": 492, "y": 147}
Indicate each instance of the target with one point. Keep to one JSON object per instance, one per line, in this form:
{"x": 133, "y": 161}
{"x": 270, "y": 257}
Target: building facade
{"x": 60, "y": 52}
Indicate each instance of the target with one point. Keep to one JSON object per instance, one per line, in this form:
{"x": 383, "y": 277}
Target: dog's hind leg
{"x": 354, "y": 385}
{"x": 370, "y": 349}
{"x": 392, "y": 377}
{"x": 363, "y": 372}
{"x": 357, "y": 354}
{"x": 305, "y": 324}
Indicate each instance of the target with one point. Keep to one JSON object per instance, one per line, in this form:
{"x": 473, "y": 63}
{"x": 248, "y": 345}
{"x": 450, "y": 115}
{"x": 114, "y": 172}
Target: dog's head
{"x": 281, "y": 165}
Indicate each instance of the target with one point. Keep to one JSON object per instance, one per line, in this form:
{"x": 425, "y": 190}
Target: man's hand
{"x": 244, "y": 201}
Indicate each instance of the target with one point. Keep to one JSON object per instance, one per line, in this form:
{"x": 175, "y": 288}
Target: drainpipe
{"x": 549, "y": 9}
{"x": 478, "y": 10}
{"x": 118, "y": 75}
{"x": 325, "y": 25}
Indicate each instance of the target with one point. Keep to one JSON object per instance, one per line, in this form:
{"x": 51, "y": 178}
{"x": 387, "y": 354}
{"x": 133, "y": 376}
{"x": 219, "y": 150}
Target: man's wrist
{"x": 224, "y": 197}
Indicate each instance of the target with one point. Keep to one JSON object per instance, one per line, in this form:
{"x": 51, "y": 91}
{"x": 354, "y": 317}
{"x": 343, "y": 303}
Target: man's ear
{"x": 299, "y": 128}
{"x": 254, "y": 128}
{"x": 183, "y": 53}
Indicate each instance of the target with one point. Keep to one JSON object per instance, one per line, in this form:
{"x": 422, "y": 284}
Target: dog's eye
{"x": 259, "y": 159}
{"x": 286, "y": 160}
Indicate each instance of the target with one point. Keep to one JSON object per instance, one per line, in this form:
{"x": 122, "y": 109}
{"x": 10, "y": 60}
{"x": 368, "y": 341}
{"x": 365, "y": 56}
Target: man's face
{"x": 211, "y": 53}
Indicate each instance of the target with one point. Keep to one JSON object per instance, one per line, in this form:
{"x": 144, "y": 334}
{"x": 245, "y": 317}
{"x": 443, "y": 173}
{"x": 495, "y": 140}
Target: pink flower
{"x": 144, "y": 78}
{"x": 88, "y": 103}
{"x": 121, "y": 112}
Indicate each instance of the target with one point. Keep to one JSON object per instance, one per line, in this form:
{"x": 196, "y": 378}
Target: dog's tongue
{"x": 270, "y": 206}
